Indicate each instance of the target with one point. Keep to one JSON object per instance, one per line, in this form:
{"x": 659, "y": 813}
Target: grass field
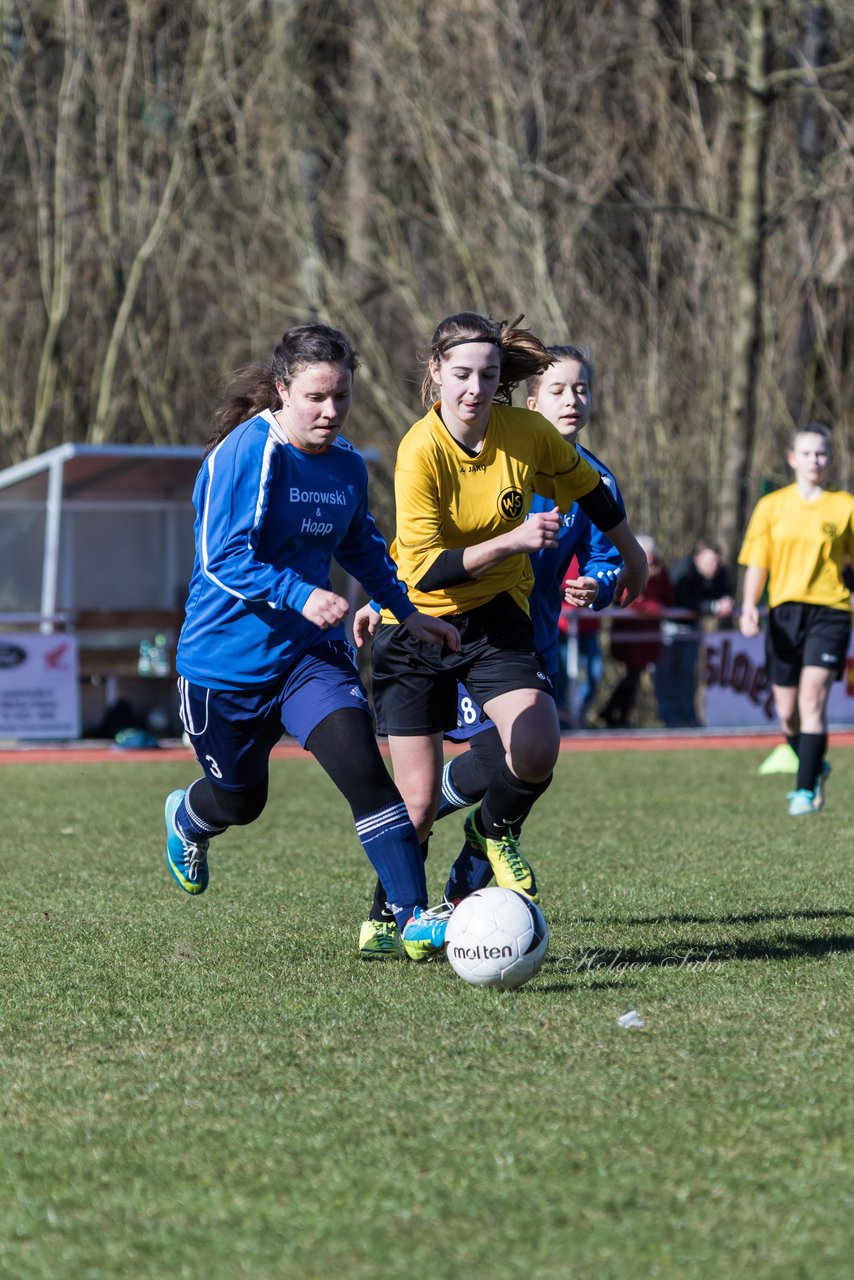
{"x": 220, "y": 1088}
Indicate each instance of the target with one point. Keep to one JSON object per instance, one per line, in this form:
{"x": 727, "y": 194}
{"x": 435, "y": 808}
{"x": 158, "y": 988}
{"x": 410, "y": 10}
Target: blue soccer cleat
{"x": 801, "y": 802}
{"x": 818, "y": 794}
{"x": 187, "y": 863}
{"x": 423, "y": 936}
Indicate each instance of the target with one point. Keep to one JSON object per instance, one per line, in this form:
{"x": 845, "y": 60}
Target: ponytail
{"x": 522, "y": 355}
{"x": 249, "y": 391}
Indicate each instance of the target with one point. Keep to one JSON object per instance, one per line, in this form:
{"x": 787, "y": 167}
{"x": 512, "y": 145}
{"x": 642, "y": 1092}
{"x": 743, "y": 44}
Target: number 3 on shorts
{"x": 213, "y": 767}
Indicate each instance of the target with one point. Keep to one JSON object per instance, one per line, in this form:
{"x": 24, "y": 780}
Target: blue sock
{"x": 472, "y": 870}
{"x": 389, "y": 839}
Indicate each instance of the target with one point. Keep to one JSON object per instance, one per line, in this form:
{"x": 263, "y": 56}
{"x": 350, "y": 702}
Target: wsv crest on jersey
{"x": 510, "y": 504}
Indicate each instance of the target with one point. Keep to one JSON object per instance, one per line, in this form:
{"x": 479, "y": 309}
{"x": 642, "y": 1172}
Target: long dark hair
{"x": 522, "y": 354}
{"x": 252, "y": 388}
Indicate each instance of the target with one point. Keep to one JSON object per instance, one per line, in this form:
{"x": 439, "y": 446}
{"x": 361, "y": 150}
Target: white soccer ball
{"x": 496, "y": 938}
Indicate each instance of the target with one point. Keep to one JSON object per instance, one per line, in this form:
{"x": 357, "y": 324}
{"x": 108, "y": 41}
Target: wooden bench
{"x": 108, "y": 659}
{"x": 108, "y": 639}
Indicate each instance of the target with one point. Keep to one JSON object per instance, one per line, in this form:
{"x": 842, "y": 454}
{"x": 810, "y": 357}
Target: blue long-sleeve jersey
{"x": 269, "y": 519}
{"x": 597, "y": 558}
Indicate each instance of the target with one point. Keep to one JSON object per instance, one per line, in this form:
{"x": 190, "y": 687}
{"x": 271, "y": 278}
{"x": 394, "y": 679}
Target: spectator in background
{"x": 702, "y": 584}
{"x": 635, "y": 641}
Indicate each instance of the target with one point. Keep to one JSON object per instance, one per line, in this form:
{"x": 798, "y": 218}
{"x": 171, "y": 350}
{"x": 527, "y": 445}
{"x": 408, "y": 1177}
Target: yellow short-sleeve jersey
{"x": 803, "y": 544}
{"x": 446, "y": 499}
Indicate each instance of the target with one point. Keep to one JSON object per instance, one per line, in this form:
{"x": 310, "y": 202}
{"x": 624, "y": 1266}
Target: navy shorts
{"x": 805, "y": 635}
{"x": 416, "y": 685}
{"x": 471, "y": 719}
{"x": 233, "y": 732}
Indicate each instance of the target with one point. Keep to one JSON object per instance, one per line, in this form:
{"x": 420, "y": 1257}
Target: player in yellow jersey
{"x": 799, "y": 540}
{"x": 464, "y": 479}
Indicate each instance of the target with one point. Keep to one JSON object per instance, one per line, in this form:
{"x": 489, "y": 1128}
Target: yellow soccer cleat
{"x": 511, "y": 868}
{"x": 380, "y": 940}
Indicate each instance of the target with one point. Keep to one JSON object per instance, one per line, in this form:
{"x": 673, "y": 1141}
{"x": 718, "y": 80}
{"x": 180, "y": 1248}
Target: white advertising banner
{"x": 39, "y": 692}
{"x": 737, "y": 690}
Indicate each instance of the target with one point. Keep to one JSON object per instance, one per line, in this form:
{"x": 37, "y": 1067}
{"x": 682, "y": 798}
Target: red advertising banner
{"x": 736, "y": 687}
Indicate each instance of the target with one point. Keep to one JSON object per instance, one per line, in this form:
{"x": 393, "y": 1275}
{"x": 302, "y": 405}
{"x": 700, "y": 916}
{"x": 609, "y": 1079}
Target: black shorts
{"x": 415, "y": 684}
{"x": 805, "y": 635}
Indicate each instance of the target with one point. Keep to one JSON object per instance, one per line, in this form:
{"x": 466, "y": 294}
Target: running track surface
{"x": 637, "y": 740}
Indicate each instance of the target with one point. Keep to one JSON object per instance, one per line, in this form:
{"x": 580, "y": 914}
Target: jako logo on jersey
{"x": 510, "y": 504}
{"x": 335, "y": 498}
{"x": 317, "y": 527}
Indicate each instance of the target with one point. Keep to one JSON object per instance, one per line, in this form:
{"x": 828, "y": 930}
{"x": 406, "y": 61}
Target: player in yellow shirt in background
{"x": 799, "y": 540}
{"x": 465, "y": 477}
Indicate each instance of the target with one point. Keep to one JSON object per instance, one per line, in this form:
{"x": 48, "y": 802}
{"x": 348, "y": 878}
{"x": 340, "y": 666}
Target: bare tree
{"x": 47, "y": 134}
{"x": 667, "y": 181}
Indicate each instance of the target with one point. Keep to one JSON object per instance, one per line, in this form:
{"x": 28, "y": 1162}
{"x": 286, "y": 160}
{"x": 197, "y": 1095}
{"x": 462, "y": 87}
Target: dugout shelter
{"x": 97, "y": 540}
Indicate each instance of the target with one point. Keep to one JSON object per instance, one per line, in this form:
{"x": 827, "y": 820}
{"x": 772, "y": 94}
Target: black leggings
{"x": 343, "y": 744}
{"x": 472, "y": 770}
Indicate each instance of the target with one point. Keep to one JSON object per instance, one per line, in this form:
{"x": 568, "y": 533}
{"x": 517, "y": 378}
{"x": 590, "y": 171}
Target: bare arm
{"x": 530, "y": 536}
{"x": 365, "y": 623}
{"x": 432, "y": 630}
{"x": 755, "y": 578}
{"x": 635, "y": 571}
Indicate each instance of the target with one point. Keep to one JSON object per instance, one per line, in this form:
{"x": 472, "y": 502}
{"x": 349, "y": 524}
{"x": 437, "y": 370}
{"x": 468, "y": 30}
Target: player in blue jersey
{"x": 563, "y": 394}
{"x": 262, "y": 649}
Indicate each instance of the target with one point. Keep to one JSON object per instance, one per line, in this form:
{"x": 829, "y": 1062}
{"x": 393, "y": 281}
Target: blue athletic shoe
{"x": 824, "y": 774}
{"x": 801, "y": 802}
{"x": 423, "y": 936}
{"x": 187, "y": 863}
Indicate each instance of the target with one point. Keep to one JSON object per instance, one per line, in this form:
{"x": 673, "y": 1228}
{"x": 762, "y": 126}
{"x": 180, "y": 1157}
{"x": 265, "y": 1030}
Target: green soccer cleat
{"x": 801, "y": 802}
{"x": 818, "y": 794}
{"x": 380, "y": 940}
{"x": 511, "y": 868}
{"x": 424, "y": 935}
{"x": 187, "y": 863}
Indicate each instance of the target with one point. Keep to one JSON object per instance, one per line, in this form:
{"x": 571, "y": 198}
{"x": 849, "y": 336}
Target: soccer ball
{"x": 496, "y": 938}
